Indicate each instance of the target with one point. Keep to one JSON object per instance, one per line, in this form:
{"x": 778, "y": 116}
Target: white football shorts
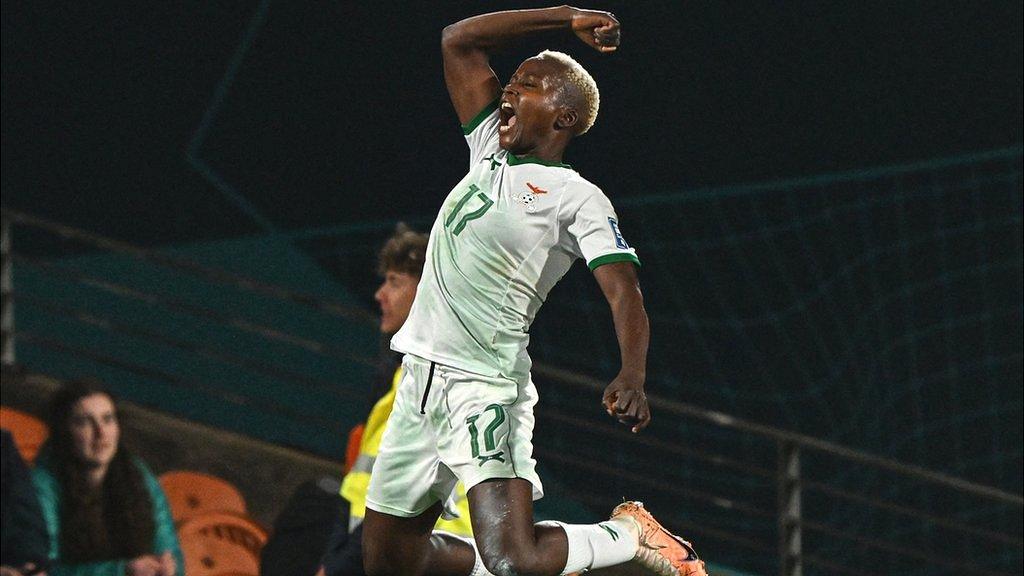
{"x": 449, "y": 425}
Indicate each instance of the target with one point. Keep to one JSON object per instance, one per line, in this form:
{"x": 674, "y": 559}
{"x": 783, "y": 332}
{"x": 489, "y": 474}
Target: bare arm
{"x": 625, "y": 398}
{"x": 467, "y": 46}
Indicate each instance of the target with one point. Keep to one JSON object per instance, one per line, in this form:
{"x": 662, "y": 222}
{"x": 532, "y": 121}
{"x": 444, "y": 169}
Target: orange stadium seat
{"x": 191, "y": 494}
{"x": 355, "y": 439}
{"x": 221, "y": 544}
{"x": 28, "y": 432}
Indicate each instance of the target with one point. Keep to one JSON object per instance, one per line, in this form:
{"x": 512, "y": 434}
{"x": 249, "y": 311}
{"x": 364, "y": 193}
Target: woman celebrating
{"x": 104, "y": 509}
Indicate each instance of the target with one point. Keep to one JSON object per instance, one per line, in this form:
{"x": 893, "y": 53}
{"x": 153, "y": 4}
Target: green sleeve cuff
{"x": 609, "y": 258}
{"x": 468, "y": 128}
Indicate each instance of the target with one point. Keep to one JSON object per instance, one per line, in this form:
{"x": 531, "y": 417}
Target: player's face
{"x": 95, "y": 431}
{"x": 529, "y": 105}
{"x": 395, "y": 297}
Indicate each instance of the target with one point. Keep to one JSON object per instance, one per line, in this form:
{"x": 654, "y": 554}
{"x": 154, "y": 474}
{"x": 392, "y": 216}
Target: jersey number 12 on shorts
{"x": 490, "y": 440}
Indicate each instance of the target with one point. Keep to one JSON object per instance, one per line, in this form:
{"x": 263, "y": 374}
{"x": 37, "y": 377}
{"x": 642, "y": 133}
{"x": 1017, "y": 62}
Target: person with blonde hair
{"x": 506, "y": 233}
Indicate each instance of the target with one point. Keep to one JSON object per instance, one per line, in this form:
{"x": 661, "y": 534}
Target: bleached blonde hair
{"x": 577, "y": 76}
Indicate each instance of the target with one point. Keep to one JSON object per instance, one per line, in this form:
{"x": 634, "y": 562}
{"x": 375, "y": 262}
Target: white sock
{"x": 601, "y": 545}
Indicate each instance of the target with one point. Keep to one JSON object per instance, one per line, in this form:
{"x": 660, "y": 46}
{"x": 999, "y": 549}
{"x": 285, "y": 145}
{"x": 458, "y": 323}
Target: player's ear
{"x": 567, "y": 119}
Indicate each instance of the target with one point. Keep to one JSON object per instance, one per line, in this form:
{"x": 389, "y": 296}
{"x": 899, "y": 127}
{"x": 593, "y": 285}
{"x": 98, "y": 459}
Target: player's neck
{"x": 548, "y": 152}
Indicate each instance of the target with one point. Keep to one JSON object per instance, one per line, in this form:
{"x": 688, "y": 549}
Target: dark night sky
{"x": 338, "y": 112}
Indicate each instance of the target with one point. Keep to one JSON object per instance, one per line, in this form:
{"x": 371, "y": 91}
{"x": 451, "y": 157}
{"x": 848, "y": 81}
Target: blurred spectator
{"x": 104, "y": 510}
{"x": 400, "y": 264}
{"x": 302, "y": 528}
{"x": 25, "y": 542}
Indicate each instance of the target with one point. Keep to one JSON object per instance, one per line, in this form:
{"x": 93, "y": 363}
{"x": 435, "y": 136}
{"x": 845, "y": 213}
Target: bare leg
{"x": 508, "y": 540}
{"x": 502, "y": 515}
{"x": 394, "y": 546}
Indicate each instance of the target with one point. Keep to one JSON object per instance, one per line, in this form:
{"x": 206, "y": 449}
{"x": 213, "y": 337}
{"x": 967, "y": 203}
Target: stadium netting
{"x": 880, "y": 309}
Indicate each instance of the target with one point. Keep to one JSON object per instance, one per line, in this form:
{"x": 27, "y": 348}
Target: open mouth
{"x": 507, "y": 116}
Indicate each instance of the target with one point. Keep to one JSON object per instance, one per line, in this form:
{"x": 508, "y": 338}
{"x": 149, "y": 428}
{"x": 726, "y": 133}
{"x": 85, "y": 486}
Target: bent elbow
{"x": 450, "y": 35}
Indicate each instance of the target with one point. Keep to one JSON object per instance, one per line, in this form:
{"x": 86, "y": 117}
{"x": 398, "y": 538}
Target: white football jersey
{"x": 504, "y": 236}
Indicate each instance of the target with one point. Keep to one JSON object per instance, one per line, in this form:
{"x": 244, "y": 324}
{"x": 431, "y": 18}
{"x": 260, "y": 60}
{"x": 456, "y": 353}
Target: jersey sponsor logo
{"x": 529, "y": 199}
{"x": 620, "y": 242}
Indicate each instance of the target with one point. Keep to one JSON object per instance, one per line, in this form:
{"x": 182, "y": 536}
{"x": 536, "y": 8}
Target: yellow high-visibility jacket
{"x": 355, "y": 483}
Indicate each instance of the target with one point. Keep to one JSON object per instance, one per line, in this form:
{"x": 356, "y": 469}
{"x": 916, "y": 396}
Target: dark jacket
{"x": 23, "y": 533}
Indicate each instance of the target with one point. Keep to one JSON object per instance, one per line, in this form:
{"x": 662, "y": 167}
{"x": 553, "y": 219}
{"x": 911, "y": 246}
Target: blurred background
{"x": 826, "y": 197}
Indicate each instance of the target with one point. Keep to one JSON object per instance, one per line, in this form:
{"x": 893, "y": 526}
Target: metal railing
{"x": 789, "y": 476}
{"x": 791, "y": 485}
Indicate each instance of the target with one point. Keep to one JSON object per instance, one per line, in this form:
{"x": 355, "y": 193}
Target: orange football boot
{"x": 660, "y": 551}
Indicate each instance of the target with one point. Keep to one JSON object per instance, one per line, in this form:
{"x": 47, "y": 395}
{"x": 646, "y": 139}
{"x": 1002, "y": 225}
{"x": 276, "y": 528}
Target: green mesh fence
{"x": 881, "y": 309}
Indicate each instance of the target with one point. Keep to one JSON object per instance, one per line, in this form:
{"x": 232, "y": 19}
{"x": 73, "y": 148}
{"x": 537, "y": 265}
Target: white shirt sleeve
{"x": 482, "y": 134}
{"x": 596, "y": 235}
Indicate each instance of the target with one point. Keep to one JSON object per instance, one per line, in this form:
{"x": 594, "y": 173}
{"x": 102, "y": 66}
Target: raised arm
{"x": 625, "y": 398}
{"x": 467, "y": 46}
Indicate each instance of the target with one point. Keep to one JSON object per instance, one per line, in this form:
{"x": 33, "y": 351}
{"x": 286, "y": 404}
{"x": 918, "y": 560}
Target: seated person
{"x": 25, "y": 543}
{"x": 105, "y": 511}
{"x": 400, "y": 263}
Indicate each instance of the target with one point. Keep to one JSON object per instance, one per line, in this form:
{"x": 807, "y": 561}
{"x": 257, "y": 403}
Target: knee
{"x": 511, "y": 562}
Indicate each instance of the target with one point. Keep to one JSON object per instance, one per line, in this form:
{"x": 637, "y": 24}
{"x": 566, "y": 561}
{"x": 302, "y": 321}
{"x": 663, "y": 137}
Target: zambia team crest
{"x": 529, "y": 199}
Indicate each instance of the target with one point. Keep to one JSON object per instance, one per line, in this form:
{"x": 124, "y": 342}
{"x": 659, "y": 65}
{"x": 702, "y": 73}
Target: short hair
{"x": 577, "y": 76}
{"x": 405, "y": 251}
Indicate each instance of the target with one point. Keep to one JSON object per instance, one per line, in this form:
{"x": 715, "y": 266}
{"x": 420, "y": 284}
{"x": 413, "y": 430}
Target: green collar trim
{"x": 467, "y": 129}
{"x": 514, "y": 160}
{"x": 617, "y": 257}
